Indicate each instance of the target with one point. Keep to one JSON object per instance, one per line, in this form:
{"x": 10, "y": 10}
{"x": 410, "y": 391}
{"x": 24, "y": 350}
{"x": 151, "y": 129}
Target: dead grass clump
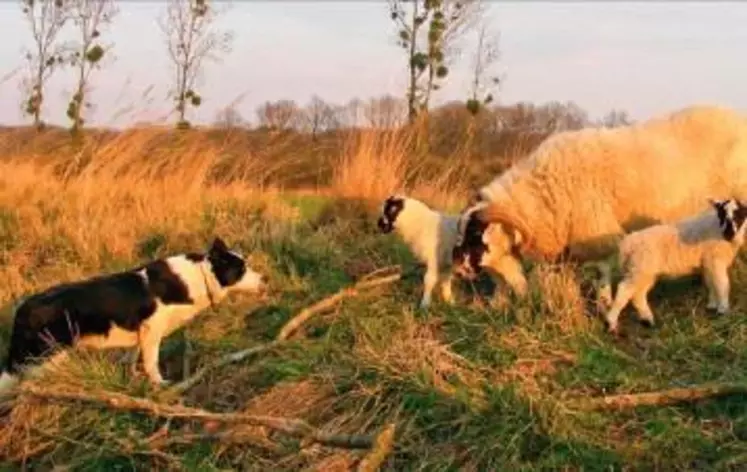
{"x": 373, "y": 165}
{"x": 416, "y": 353}
{"x": 560, "y": 297}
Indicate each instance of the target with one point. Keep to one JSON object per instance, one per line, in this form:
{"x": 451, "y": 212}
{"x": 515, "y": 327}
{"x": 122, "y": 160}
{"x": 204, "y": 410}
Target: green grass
{"x": 470, "y": 388}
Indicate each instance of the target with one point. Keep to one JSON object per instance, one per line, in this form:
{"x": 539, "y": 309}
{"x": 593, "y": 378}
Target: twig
{"x": 232, "y": 358}
{"x": 329, "y": 302}
{"x": 662, "y": 398}
{"x": 288, "y": 329}
{"x": 381, "y": 449}
{"x": 121, "y": 402}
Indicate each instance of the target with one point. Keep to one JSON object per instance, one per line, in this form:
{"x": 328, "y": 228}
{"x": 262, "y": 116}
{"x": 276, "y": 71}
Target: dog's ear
{"x": 218, "y": 246}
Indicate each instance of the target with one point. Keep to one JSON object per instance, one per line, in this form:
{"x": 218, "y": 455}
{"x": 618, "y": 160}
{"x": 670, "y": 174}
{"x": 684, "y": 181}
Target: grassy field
{"x": 469, "y": 387}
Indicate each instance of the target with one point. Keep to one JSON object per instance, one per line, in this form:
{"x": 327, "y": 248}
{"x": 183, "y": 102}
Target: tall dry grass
{"x": 67, "y": 210}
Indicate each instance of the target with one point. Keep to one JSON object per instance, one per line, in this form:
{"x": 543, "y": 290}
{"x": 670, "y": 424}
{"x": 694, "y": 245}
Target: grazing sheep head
{"x": 481, "y": 244}
{"x": 731, "y": 216}
{"x": 391, "y": 209}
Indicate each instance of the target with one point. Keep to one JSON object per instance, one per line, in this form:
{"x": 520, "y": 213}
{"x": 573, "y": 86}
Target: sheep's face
{"x": 482, "y": 245}
{"x": 731, "y": 217}
{"x": 391, "y": 209}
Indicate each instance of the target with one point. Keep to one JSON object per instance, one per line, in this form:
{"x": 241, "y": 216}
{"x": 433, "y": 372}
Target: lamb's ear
{"x": 219, "y": 246}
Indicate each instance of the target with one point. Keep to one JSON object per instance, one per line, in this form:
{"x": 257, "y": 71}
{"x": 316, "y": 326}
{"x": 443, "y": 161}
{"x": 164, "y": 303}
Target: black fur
{"x": 472, "y": 248}
{"x": 90, "y": 307}
{"x": 392, "y": 208}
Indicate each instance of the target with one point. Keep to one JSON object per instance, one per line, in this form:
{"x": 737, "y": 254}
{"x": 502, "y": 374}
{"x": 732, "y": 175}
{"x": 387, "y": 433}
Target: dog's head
{"x": 232, "y": 270}
{"x": 390, "y": 211}
{"x": 479, "y": 243}
{"x": 731, "y": 216}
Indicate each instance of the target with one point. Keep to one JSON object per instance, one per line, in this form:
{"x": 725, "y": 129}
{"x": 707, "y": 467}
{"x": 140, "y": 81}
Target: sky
{"x": 644, "y": 57}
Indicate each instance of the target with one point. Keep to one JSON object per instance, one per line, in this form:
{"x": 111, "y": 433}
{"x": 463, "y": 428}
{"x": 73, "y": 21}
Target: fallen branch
{"x": 382, "y": 447}
{"x": 121, "y": 402}
{"x": 232, "y": 358}
{"x": 662, "y": 398}
{"x": 329, "y": 302}
{"x": 365, "y": 283}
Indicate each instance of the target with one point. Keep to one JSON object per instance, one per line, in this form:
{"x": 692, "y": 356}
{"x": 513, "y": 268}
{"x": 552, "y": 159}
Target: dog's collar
{"x": 206, "y": 281}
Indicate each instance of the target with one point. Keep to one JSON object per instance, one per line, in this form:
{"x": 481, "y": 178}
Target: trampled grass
{"x": 476, "y": 386}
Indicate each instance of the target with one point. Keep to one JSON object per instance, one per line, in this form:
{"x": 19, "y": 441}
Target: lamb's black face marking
{"x": 228, "y": 267}
{"x": 392, "y": 208}
{"x": 731, "y": 216}
{"x": 468, "y": 255}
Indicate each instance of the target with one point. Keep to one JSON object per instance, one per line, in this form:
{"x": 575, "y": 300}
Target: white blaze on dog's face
{"x": 232, "y": 270}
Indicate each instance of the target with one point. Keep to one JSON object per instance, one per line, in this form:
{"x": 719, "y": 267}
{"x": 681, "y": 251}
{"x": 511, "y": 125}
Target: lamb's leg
{"x": 429, "y": 283}
{"x": 446, "y": 293}
{"x": 625, "y": 292}
{"x": 640, "y": 302}
{"x": 151, "y": 333}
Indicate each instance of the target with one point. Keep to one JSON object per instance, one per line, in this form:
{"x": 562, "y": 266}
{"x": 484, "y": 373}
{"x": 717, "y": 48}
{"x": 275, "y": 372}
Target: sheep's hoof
{"x": 611, "y": 329}
{"x": 647, "y": 322}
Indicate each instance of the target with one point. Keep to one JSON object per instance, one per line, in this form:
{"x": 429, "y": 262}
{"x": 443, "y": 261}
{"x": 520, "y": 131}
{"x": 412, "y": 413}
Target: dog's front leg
{"x": 150, "y": 342}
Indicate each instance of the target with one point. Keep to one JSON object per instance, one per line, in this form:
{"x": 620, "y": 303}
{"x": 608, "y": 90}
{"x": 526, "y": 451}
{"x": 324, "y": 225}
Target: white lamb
{"x": 707, "y": 243}
{"x": 431, "y": 235}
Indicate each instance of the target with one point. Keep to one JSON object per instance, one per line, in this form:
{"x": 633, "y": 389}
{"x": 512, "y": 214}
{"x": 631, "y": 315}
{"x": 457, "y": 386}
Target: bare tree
{"x": 46, "y": 18}
{"x": 385, "y": 112}
{"x": 191, "y": 39}
{"x": 616, "y": 118}
{"x": 319, "y": 116}
{"x": 89, "y": 17}
{"x": 484, "y": 78}
{"x": 279, "y": 115}
{"x": 228, "y": 118}
{"x": 429, "y": 51}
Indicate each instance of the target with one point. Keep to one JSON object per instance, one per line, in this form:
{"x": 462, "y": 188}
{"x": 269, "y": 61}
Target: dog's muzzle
{"x": 384, "y": 224}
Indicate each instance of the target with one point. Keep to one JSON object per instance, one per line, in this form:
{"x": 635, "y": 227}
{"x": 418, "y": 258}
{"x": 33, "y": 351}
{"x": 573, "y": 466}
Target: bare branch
{"x": 89, "y": 18}
{"x": 46, "y": 18}
{"x": 119, "y": 401}
{"x": 191, "y": 40}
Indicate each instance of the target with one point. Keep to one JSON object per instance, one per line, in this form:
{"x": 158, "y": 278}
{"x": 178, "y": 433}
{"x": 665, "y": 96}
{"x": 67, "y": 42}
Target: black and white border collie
{"x": 135, "y": 308}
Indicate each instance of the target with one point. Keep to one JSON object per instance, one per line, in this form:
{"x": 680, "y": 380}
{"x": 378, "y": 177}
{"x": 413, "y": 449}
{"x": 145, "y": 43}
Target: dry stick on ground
{"x": 662, "y": 398}
{"x": 232, "y": 358}
{"x": 381, "y": 449}
{"x": 121, "y": 402}
{"x": 329, "y": 302}
{"x": 292, "y": 325}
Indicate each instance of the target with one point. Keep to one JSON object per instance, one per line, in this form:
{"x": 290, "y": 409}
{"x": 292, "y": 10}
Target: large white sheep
{"x": 706, "y": 243}
{"x": 430, "y": 235}
{"x": 580, "y": 191}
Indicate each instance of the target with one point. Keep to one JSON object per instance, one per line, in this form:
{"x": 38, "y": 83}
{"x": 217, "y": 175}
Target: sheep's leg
{"x": 640, "y": 302}
{"x": 625, "y": 292}
{"x": 446, "y": 292}
{"x": 604, "y": 290}
{"x": 429, "y": 283}
{"x": 711, "y": 287}
{"x": 720, "y": 275}
{"x": 511, "y": 271}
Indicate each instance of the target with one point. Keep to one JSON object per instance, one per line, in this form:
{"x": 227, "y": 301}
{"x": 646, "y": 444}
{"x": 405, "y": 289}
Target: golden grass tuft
{"x": 561, "y": 300}
{"x": 416, "y": 352}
